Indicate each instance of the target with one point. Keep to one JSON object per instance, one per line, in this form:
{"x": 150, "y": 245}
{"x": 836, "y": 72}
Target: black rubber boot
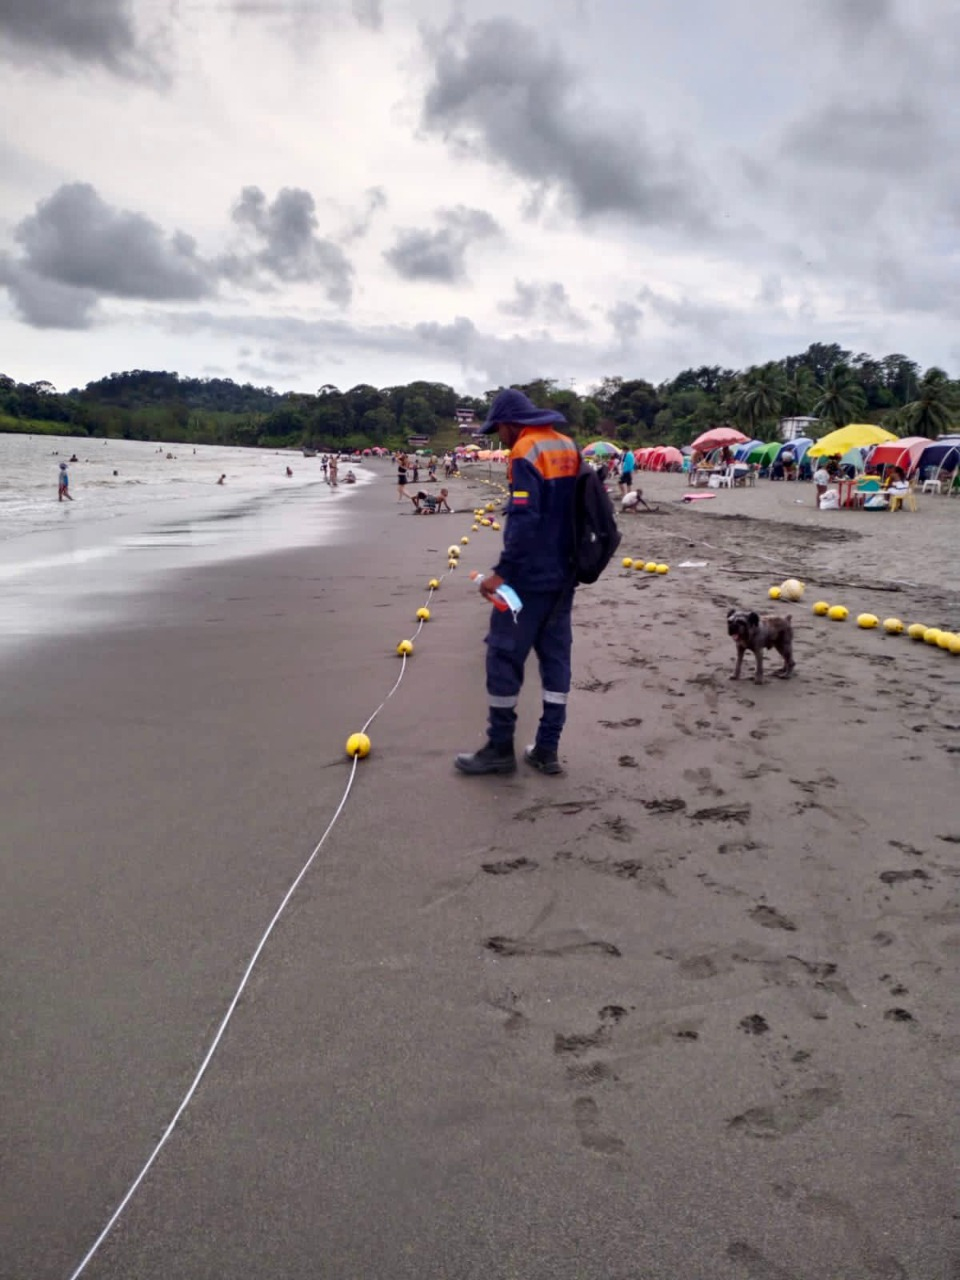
{"x": 543, "y": 760}
{"x": 495, "y": 757}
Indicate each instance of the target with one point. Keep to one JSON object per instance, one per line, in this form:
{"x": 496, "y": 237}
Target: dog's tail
{"x": 788, "y": 625}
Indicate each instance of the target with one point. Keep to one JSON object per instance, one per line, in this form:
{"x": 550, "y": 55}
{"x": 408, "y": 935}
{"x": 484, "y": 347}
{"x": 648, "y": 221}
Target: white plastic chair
{"x": 725, "y": 478}
{"x": 933, "y": 484}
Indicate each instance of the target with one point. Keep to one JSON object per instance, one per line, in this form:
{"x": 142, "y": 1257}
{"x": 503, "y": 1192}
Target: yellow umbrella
{"x": 856, "y": 435}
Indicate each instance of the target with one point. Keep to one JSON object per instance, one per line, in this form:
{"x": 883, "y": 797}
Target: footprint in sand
{"x": 586, "y": 1116}
{"x": 900, "y": 877}
{"x": 756, "y": 1264}
{"x": 788, "y": 1115}
{"x": 578, "y": 1044}
{"x": 828, "y": 1208}
{"x": 771, "y": 918}
{"x": 633, "y": 723}
{"x": 508, "y": 866}
{"x": 723, "y": 813}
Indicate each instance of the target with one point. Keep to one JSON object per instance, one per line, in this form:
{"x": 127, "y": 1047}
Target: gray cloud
{"x": 441, "y": 255}
{"x": 95, "y": 32}
{"x": 485, "y": 357}
{"x": 46, "y": 304}
{"x": 498, "y": 92}
{"x": 624, "y": 318}
{"x": 892, "y": 137}
{"x": 547, "y": 300}
{"x": 289, "y": 248}
{"x": 76, "y": 248}
{"x": 375, "y": 200}
{"x": 369, "y": 13}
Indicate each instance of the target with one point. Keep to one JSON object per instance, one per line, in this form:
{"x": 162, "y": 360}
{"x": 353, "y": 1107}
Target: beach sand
{"x": 687, "y": 1011}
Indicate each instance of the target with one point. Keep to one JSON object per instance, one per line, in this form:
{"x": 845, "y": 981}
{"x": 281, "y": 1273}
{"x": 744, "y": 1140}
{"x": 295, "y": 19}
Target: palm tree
{"x": 800, "y": 393}
{"x": 757, "y": 400}
{"x": 841, "y": 398}
{"x": 930, "y": 413}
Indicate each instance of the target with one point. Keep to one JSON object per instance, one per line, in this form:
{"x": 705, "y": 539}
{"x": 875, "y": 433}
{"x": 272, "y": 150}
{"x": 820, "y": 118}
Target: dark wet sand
{"x": 689, "y": 1011}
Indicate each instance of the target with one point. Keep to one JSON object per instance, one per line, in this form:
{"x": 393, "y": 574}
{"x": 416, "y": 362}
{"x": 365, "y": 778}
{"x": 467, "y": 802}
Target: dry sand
{"x": 688, "y": 1011}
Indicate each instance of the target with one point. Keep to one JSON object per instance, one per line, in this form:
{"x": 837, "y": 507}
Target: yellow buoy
{"x": 405, "y": 648}
{"x": 451, "y": 564}
{"x": 464, "y": 540}
{"x": 651, "y": 566}
{"x": 917, "y": 630}
{"x": 453, "y": 551}
{"x": 434, "y": 584}
{"x": 495, "y": 525}
{"x": 358, "y": 744}
{"x": 639, "y": 564}
{"x": 932, "y": 635}
{"x": 486, "y": 522}
{"x": 867, "y": 620}
{"x": 627, "y": 562}
{"x": 474, "y": 528}
{"x": 423, "y": 614}
{"x": 491, "y": 506}
{"x": 945, "y": 639}
{"x": 663, "y": 568}
{"x": 821, "y": 608}
{"x": 955, "y": 645}
{"x": 838, "y": 613}
{"x": 774, "y": 593}
{"x": 893, "y": 626}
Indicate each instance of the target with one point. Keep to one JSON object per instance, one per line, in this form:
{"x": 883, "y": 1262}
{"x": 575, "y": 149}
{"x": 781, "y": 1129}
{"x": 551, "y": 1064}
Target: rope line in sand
{"x": 214, "y": 1044}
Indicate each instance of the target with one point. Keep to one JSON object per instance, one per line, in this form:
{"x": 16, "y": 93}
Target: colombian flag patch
{"x": 519, "y": 498}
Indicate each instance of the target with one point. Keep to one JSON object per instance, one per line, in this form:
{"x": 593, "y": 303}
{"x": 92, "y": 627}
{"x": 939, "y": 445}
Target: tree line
{"x": 824, "y": 382}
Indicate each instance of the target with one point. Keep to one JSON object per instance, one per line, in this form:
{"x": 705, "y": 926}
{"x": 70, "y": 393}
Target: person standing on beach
{"x": 537, "y": 562}
{"x": 627, "y": 465}
{"x": 401, "y": 476}
{"x": 63, "y": 486}
{"x": 333, "y": 469}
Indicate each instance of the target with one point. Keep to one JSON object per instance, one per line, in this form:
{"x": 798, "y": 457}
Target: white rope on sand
{"x": 201, "y": 1070}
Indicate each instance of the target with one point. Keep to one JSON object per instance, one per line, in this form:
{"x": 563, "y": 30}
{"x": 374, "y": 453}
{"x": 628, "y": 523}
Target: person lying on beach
{"x": 429, "y": 504}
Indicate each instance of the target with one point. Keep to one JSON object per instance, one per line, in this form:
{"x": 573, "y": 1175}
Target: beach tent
{"x": 643, "y": 456}
{"x": 856, "y": 435}
{"x": 764, "y": 454}
{"x": 942, "y": 455}
{"x": 799, "y": 447}
{"x": 903, "y": 453}
{"x": 855, "y": 458}
{"x": 664, "y": 457}
{"x": 743, "y": 451}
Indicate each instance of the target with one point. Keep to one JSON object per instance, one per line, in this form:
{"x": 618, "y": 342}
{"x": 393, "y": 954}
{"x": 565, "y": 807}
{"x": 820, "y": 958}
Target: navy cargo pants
{"x": 544, "y": 624}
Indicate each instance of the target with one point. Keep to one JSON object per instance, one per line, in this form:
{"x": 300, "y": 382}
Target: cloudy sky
{"x": 300, "y": 192}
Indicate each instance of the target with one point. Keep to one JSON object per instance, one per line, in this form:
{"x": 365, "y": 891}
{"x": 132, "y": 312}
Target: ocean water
{"x": 64, "y": 565}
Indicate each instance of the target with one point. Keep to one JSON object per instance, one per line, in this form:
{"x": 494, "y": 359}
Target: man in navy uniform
{"x": 537, "y": 563}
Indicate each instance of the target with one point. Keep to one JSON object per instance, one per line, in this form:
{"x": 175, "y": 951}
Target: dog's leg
{"x": 736, "y": 670}
{"x": 785, "y": 649}
{"x": 758, "y": 675}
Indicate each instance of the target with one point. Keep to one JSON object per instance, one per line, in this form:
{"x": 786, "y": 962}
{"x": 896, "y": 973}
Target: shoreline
{"x": 639, "y": 1020}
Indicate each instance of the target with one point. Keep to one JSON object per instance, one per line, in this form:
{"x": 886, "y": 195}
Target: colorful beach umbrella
{"x": 857, "y": 435}
{"x": 601, "y": 449}
{"x": 717, "y": 437}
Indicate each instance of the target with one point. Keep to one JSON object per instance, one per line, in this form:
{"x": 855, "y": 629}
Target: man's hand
{"x": 489, "y": 585}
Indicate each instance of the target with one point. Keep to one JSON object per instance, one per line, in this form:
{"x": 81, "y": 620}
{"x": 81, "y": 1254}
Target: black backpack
{"x": 595, "y": 533}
